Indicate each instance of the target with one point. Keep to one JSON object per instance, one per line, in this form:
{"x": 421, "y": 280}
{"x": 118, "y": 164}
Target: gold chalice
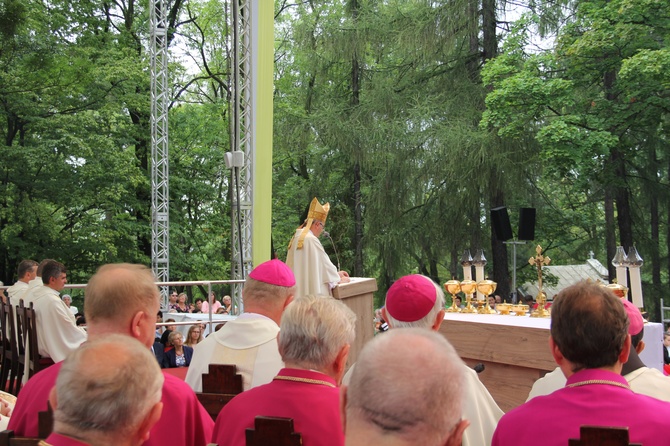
{"x": 486, "y": 287}
{"x": 468, "y": 287}
{"x": 453, "y": 287}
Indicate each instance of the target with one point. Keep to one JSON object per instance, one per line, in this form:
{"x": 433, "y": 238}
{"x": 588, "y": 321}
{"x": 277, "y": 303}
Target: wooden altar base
{"x": 514, "y": 357}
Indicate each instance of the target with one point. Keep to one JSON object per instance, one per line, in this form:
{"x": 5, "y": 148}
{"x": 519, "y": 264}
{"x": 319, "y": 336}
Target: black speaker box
{"x": 527, "y": 224}
{"x": 500, "y": 220}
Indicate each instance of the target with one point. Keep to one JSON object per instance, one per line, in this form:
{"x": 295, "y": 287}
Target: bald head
{"x": 106, "y": 389}
{"x": 119, "y": 297}
{"x": 406, "y": 389}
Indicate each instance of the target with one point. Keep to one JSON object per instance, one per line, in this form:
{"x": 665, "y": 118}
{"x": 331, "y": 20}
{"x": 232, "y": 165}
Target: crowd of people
{"x": 291, "y": 347}
{"x": 292, "y": 353}
{"x": 179, "y": 303}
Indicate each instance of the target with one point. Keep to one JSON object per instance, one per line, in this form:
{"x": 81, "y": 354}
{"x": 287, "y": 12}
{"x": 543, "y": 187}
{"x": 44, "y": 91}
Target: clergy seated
{"x": 250, "y": 341}
{"x": 108, "y": 392}
{"x": 133, "y": 289}
{"x": 590, "y": 343}
{"x": 314, "y": 343}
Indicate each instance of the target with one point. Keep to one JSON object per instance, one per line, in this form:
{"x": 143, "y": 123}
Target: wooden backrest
{"x": 8, "y": 326}
{"x": 601, "y": 436}
{"x": 7, "y": 438}
{"x": 45, "y": 422}
{"x": 222, "y": 378}
{"x": 274, "y": 431}
{"x": 9, "y": 376}
{"x": 219, "y": 386}
{"x": 30, "y": 329}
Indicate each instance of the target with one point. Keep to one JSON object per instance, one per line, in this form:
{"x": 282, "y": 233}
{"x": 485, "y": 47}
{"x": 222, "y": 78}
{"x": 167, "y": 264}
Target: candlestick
{"x": 619, "y": 262}
{"x": 634, "y": 264}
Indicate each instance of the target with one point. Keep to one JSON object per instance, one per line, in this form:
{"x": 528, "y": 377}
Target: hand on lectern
{"x": 344, "y": 277}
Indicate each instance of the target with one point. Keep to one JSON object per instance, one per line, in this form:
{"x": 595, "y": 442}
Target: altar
{"x": 515, "y": 351}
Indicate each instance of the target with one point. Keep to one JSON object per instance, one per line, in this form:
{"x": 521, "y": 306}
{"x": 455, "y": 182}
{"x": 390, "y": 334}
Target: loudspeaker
{"x": 527, "y": 224}
{"x": 500, "y": 220}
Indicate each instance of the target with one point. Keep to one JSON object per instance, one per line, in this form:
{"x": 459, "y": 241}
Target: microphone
{"x": 479, "y": 368}
{"x": 327, "y": 234}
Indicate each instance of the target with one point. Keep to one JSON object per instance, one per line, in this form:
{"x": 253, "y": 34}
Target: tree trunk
{"x": 358, "y": 207}
{"x": 610, "y": 233}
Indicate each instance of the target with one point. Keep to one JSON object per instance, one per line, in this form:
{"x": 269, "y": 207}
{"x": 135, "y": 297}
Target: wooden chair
{"x": 601, "y": 436}
{"x": 274, "y": 431}
{"x": 29, "y": 322}
{"x": 21, "y": 340}
{"x": 5, "y": 349}
{"x": 219, "y": 386}
{"x": 10, "y": 366}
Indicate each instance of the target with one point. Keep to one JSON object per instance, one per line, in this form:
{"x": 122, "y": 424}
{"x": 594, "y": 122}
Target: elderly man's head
{"x": 407, "y": 387}
{"x": 269, "y": 288}
{"x": 107, "y": 390}
{"x": 316, "y": 333}
{"x": 589, "y": 327}
{"x": 122, "y": 298}
{"x": 414, "y": 301}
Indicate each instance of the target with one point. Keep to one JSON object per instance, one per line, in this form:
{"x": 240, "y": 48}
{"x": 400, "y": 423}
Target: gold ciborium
{"x": 504, "y": 308}
{"x": 469, "y": 287}
{"x": 619, "y": 290}
{"x": 453, "y": 287}
{"x": 520, "y": 309}
{"x": 486, "y": 287}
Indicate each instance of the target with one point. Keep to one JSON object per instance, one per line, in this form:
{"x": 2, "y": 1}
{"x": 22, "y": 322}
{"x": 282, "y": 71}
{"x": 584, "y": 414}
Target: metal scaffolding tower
{"x": 160, "y": 203}
{"x": 241, "y": 132}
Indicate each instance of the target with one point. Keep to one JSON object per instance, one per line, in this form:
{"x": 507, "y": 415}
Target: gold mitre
{"x": 316, "y": 212}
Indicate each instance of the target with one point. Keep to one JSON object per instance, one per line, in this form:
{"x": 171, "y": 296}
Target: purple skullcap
{"x": 274, "y": 272}
{"x": 634, "y": 316}
{"x": 411, "y": 298}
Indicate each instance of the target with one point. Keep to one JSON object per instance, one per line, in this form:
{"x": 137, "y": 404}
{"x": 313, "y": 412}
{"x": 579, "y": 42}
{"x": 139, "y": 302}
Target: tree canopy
{"x": 413, "y": 119}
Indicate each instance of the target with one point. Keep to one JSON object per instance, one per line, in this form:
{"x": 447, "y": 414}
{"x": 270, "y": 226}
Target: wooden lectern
{"x": 358, "y": 295}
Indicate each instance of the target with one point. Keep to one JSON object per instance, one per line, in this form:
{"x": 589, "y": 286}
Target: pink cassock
{"x": 592, "y": 397}
{"x": 312, "y": 401}
{"x": 184, "y": 421}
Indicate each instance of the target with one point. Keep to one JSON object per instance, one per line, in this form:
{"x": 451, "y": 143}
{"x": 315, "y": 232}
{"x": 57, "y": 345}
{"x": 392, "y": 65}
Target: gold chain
{"x": 305, "y": 380}
{"x": 598, "y": 381}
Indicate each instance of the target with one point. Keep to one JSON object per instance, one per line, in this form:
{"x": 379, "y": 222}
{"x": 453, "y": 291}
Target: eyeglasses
{"x": 318, "y": 223}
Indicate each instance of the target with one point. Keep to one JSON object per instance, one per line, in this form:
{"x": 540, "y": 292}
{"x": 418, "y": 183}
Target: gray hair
{"x": 108, "y": 386}
{"x": 428, "y": 320}
{"x": 265, "y": 293}
{"x": 314, "y": 329}
{"x": 407, "y": 383}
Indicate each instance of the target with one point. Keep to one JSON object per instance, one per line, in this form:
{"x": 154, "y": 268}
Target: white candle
{"x": 636, "y": 286}
{"x": 621, "y": 277}
{"x": 479, "y": 276}
{"x": 467, "y": 272}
